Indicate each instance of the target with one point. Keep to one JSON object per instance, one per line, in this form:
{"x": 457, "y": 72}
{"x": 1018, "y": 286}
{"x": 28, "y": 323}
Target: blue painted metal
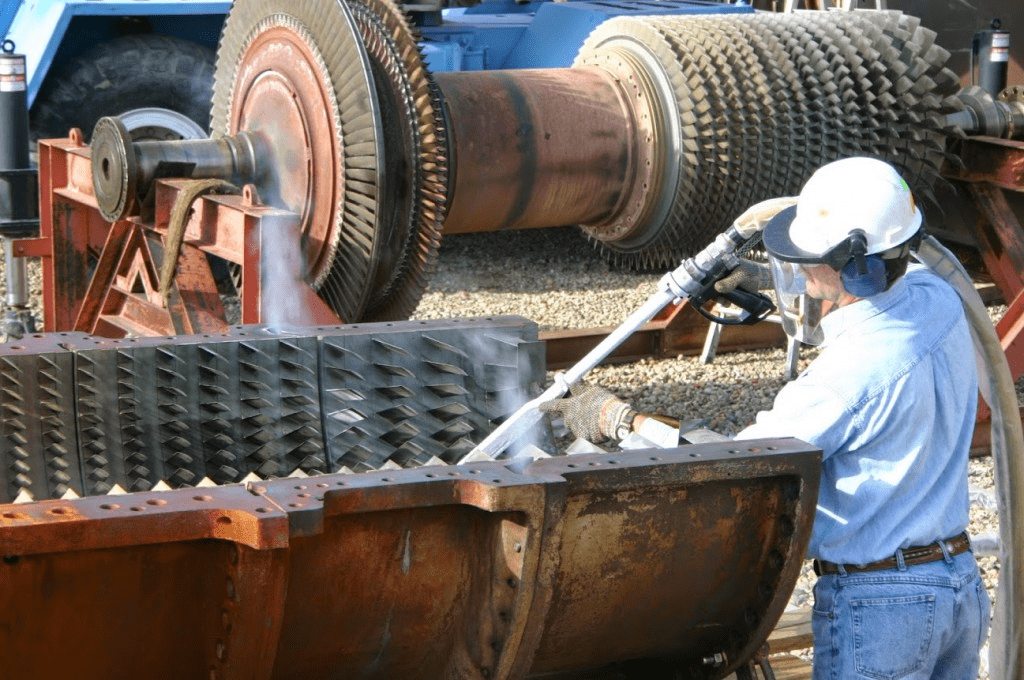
{"x": 553, "y": 39}
{"x": 39, "y": 29}
{"x": 491, "y": 35}
{"x": 506, "y": 34}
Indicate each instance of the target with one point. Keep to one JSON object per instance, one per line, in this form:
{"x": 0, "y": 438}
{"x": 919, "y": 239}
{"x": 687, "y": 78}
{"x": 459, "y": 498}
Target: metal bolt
{"x": 717, "y": 659}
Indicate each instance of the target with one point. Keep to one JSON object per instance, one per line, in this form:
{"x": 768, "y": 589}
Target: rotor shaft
{"x": 123, "y": 170}
{"x": 539, "y": 148}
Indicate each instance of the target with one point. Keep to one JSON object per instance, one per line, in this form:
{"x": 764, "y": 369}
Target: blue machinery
{"x": 495, "y": 34}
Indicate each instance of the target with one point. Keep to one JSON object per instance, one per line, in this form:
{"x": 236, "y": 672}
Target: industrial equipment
{"x": 513, "y": 568}
{"x": 337, "y": 161}
{"x": 664, "y": 145}
{"x": 121, "y": 57}
{"x": 152, "y": 63}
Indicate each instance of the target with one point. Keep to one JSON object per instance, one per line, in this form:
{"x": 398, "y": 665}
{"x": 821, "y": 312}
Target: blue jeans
{"x": 924, "y": 621}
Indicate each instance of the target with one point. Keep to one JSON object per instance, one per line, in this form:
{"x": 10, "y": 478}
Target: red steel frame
{"x": 991, "y": 168}
{"x": 103, "y": 278}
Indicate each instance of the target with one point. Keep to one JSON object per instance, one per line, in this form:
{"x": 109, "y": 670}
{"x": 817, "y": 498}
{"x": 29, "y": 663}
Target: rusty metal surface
{"x": 567, "y": 123}
{"x": 992, "y": 176}
{"x": 297, "y": 73}
{"x": 473, "y": 571}
{"x": 88, "y": 415}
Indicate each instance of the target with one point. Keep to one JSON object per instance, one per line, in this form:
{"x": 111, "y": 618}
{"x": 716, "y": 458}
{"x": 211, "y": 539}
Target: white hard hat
{"x": 848, "y": 212}
{"x": 851, "y": 194}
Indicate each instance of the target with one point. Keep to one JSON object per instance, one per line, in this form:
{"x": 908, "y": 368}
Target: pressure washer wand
{"x": 529, "y": 413}
{"x": 692, "y": 279}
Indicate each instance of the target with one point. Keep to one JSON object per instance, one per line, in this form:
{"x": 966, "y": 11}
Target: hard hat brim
{"x": 778, "y": 243}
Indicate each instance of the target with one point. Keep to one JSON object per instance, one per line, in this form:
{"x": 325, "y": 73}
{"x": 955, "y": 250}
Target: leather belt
{"x": 911, "y": 556}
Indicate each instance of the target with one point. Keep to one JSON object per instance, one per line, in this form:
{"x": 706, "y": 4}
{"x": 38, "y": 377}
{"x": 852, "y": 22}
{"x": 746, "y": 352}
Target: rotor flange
{"x": 340, "y": 92}
{"x": 327, "y": 141}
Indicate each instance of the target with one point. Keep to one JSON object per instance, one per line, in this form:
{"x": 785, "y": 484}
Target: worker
{"x": 891, "y": 401}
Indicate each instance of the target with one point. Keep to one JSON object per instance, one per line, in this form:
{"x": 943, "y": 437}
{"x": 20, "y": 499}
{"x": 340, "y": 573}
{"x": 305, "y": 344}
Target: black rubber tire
{"x": 126, "y": 73}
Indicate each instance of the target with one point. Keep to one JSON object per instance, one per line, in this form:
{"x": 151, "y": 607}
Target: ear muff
{"x": 871, "y": 281}
{"x": 863, "y": 275}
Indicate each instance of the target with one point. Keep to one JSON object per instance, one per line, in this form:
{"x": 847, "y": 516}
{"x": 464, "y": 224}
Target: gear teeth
{"x": 765, "y": 99}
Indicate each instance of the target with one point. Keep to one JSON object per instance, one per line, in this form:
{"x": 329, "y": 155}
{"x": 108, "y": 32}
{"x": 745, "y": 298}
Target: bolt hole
{"x": 11, "y": 559}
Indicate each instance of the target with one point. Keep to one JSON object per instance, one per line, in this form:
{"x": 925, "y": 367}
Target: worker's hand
{"x": 756, "y": 216}
{"x": 750, "y": 276}
{"x": 592, "y": 413}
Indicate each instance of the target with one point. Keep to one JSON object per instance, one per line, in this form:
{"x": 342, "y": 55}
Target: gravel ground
{"x": 556, "y": 278}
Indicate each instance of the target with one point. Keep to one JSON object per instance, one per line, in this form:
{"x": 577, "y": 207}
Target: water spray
{"x": 693, "y": 280}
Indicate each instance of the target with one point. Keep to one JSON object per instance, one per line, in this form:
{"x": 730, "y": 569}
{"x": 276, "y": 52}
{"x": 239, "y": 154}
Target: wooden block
{"x": 786, "y": 667}
{"x": 792, "y": 632}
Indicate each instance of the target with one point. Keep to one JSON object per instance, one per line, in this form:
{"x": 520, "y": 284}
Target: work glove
{"x": 750, "y": 276}
{"x": 592, "y": 413}
{"x": 756, "y": 216}
{"x": 754, "y": 276}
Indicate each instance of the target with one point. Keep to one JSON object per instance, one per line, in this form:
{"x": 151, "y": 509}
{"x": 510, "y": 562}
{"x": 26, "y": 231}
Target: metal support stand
{"x": 19, "y": 192}
{"x": 707, "y": 355}
{"x": 18, "y": 320}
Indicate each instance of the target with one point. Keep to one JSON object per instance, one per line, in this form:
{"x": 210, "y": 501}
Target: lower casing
{"x": 650, "y": 562}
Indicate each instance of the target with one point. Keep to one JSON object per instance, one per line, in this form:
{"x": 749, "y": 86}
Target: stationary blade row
{"x": 89, "y": 416}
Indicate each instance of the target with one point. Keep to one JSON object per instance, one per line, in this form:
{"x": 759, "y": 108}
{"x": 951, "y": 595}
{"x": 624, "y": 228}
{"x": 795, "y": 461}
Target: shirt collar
{"x": 840, "y": 320}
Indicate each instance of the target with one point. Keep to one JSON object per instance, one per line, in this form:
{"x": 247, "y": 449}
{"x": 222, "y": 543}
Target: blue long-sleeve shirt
{"x": 891, "y": 400}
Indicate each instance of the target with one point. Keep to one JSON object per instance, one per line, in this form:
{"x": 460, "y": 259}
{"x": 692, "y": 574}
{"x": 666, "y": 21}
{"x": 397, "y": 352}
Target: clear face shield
{"x": 800, "y": 313}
